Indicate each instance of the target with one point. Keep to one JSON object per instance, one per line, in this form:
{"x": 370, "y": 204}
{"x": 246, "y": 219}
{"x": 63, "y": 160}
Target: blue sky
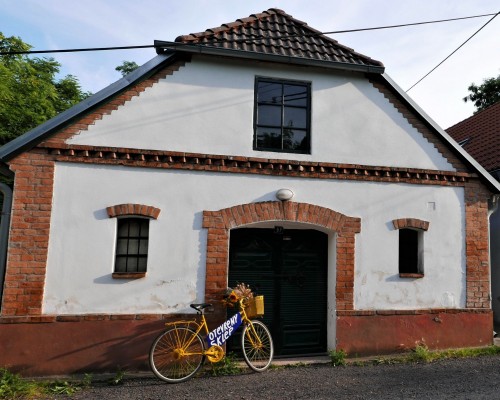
{"x": 408, "y": 53}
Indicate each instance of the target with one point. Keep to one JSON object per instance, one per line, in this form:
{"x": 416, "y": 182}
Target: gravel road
{"x": 467, "y": 378}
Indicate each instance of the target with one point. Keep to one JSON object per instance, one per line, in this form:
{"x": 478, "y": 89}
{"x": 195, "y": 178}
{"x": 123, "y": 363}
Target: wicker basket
{"x": 255, "y": 307}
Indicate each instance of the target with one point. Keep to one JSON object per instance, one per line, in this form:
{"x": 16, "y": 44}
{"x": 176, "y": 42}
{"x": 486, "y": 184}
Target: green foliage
{"x": 118, "y": 378}
{"x": 13, "y": 386}
{"x": 227, "y": 366}
{"x": 127, "y": 67}
{"x": 484, "y": 95}
{"x": 30, "y": 94}
{"x": 338, "y": 357}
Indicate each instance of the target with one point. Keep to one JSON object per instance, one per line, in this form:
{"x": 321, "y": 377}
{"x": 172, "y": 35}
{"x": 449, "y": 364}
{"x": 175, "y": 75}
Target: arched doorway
{"x": 340, "y": 286}
{"x": 289, "y": 267}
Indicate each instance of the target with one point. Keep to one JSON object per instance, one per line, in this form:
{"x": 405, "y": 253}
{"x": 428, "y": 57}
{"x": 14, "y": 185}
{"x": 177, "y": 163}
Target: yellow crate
{"x": 255, "y": 307}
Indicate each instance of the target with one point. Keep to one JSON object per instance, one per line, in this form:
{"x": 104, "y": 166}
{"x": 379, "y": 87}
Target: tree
{"x": 484, "y": 95}
{"x": 127, "y": 67}
{"x": 30, "y": 94}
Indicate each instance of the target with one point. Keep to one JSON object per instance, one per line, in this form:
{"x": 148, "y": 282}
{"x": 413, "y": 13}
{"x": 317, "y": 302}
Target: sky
{"x": 408, "y": 53}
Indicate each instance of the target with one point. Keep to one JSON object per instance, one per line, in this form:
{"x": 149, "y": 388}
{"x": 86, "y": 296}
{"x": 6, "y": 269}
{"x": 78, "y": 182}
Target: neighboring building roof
{"x": 278, "y": 33}
{"x": 280, "y": 38}
{"x": 480, "y": 136}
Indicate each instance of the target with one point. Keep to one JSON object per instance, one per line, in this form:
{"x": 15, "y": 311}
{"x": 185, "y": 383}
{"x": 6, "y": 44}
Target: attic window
{"x": 282, "y": 116}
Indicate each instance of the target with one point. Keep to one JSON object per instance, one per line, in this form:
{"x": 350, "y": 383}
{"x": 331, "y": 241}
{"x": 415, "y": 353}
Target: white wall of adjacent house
{"x": 83, "y": 237}
{"x": 208, "y": 107}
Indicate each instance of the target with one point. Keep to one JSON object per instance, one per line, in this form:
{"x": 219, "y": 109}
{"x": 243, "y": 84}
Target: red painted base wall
{"x": 389, "y": 334}
{"x": 63, "y": 348}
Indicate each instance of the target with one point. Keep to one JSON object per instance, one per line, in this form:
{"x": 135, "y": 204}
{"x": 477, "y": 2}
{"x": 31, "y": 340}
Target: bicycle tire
{"x": 167, "y": 359}
{"x": 258, "y": 351}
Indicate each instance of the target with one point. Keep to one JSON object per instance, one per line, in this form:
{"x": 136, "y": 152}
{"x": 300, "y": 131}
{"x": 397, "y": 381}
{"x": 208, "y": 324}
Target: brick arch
{"x": 129, "y": 209}
{"x": 220, "y": 222}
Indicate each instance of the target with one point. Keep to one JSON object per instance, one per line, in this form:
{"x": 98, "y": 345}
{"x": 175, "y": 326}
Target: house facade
{"x": 479, "y": 136}
{"x": 261, "y": 152}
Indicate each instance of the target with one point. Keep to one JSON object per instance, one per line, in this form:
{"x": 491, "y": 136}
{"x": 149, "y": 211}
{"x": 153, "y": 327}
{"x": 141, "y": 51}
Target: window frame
{"x": 416, "y": 270}
{"x": 138, "y": 273}
{"x": 307, "y": 108}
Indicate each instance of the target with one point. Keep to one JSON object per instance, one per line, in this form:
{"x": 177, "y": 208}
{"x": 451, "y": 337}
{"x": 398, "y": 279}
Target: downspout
{"x": 4, "y": 233}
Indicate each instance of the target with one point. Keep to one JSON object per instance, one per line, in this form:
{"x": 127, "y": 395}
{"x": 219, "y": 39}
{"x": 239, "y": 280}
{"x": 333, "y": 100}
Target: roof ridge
{"x": 274, "y": 31}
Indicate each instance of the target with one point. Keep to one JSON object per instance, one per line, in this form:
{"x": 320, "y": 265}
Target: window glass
{"x": 295, "y": 95}
{"x": 132, "y": 245}
{"x": 269, "y": 115}
{"x": 269, "y": 92}
{"x": 295, "y": 118}
{"x": 282, "y": 116}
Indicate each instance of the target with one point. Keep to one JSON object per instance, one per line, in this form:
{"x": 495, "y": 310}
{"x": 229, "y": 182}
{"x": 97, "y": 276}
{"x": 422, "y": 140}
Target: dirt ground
{"x": 465, "y": 378}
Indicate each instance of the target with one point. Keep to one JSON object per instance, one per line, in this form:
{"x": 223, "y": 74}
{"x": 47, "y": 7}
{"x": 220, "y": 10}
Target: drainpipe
{"x": 4, "y": 233}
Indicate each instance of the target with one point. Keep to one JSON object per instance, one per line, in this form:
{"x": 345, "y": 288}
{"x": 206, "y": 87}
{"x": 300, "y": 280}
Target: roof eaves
{"x": 164, "y": 46}
{"x": 36, "y": 135}
{"x": 491, "y": 182}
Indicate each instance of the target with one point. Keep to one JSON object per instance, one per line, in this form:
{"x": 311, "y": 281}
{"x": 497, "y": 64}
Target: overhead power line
{"x": 453, "y": 52}
{"x": 257, "y": 38}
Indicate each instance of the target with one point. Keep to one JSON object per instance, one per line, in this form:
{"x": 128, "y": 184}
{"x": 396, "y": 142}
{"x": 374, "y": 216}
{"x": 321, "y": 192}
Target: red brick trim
{"x": 252, "y": 165}
{"x": 43, "y": 319}
{"x": 121, "y": 210}
{"x": 415, "y": 223}
{"x": 128, "y": 275}
{"x": 220, "y": 222}
{"x": 477, "y": 246}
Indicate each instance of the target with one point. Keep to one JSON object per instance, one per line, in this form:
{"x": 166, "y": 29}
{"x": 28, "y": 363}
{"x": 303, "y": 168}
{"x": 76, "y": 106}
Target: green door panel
{"x": 290, "y": 270}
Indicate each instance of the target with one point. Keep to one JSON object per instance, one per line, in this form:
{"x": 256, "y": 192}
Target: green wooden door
{"x": 289, "y": 267}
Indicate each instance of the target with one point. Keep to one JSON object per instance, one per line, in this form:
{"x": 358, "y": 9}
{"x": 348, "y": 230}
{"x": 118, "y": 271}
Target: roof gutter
{"x": 4, "y": 233}
{"x": 163, "y": 46}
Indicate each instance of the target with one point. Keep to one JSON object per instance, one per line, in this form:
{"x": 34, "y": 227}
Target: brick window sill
{"x": 412, "y": 276}
{"x": 124, "y": 275}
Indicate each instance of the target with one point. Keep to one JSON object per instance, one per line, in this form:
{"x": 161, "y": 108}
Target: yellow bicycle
{"x": 179, "y": 352}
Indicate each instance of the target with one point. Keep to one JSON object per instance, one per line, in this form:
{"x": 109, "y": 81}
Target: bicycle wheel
{"x": 257, "y": 346}
{"x": 177, "y": 354}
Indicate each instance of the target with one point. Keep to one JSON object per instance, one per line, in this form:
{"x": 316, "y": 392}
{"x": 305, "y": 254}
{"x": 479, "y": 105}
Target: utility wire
{"x": 3, "y": 53}
{"x": 453, "y": 52}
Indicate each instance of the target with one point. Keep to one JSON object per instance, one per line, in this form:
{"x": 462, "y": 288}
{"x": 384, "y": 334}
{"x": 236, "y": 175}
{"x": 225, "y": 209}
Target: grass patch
{"x": 338, "y": 357}
{"x": 13, "y": 386}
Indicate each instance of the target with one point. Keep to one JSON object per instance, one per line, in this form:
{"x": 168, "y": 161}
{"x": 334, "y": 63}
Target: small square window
{"x": 282, "y": 116}
{"x": 132, "y": 245}
{"x": 411, "y": 263}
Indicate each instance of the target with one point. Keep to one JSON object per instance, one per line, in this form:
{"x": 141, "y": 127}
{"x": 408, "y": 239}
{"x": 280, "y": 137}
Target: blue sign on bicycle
{"x": 220, "y": 334}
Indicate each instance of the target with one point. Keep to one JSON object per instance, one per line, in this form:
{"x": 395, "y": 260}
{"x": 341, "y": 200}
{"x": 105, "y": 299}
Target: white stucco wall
{"x": 208, "y": 108}
{"x": 82, "y": 237}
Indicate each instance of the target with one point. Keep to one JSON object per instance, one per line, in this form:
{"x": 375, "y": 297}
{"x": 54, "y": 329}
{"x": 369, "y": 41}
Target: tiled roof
{"x": 481, "y": 135}
{"x": 278, "y": 33}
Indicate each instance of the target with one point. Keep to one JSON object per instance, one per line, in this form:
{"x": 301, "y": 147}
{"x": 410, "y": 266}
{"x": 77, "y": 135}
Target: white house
{"x": 261, "y": 152}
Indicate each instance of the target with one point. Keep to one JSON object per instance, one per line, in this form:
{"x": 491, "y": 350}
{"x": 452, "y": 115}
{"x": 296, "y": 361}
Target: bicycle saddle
{"x": 200, "y": 307}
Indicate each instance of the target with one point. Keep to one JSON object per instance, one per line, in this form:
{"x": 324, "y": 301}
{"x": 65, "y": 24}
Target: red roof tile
{"x": 275, "y": 32}
{"x": 482, "y": 135}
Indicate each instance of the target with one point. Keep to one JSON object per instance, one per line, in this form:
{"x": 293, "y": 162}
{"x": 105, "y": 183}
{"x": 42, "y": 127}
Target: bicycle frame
{"x": 215, "y": 352}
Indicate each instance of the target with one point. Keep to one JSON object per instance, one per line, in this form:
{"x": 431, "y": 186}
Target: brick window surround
{"x": 414, "y": 223}
{"x": 121, "y": 210}
{"x": 219, "y": 223}
{"x": 128, "y": 210}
